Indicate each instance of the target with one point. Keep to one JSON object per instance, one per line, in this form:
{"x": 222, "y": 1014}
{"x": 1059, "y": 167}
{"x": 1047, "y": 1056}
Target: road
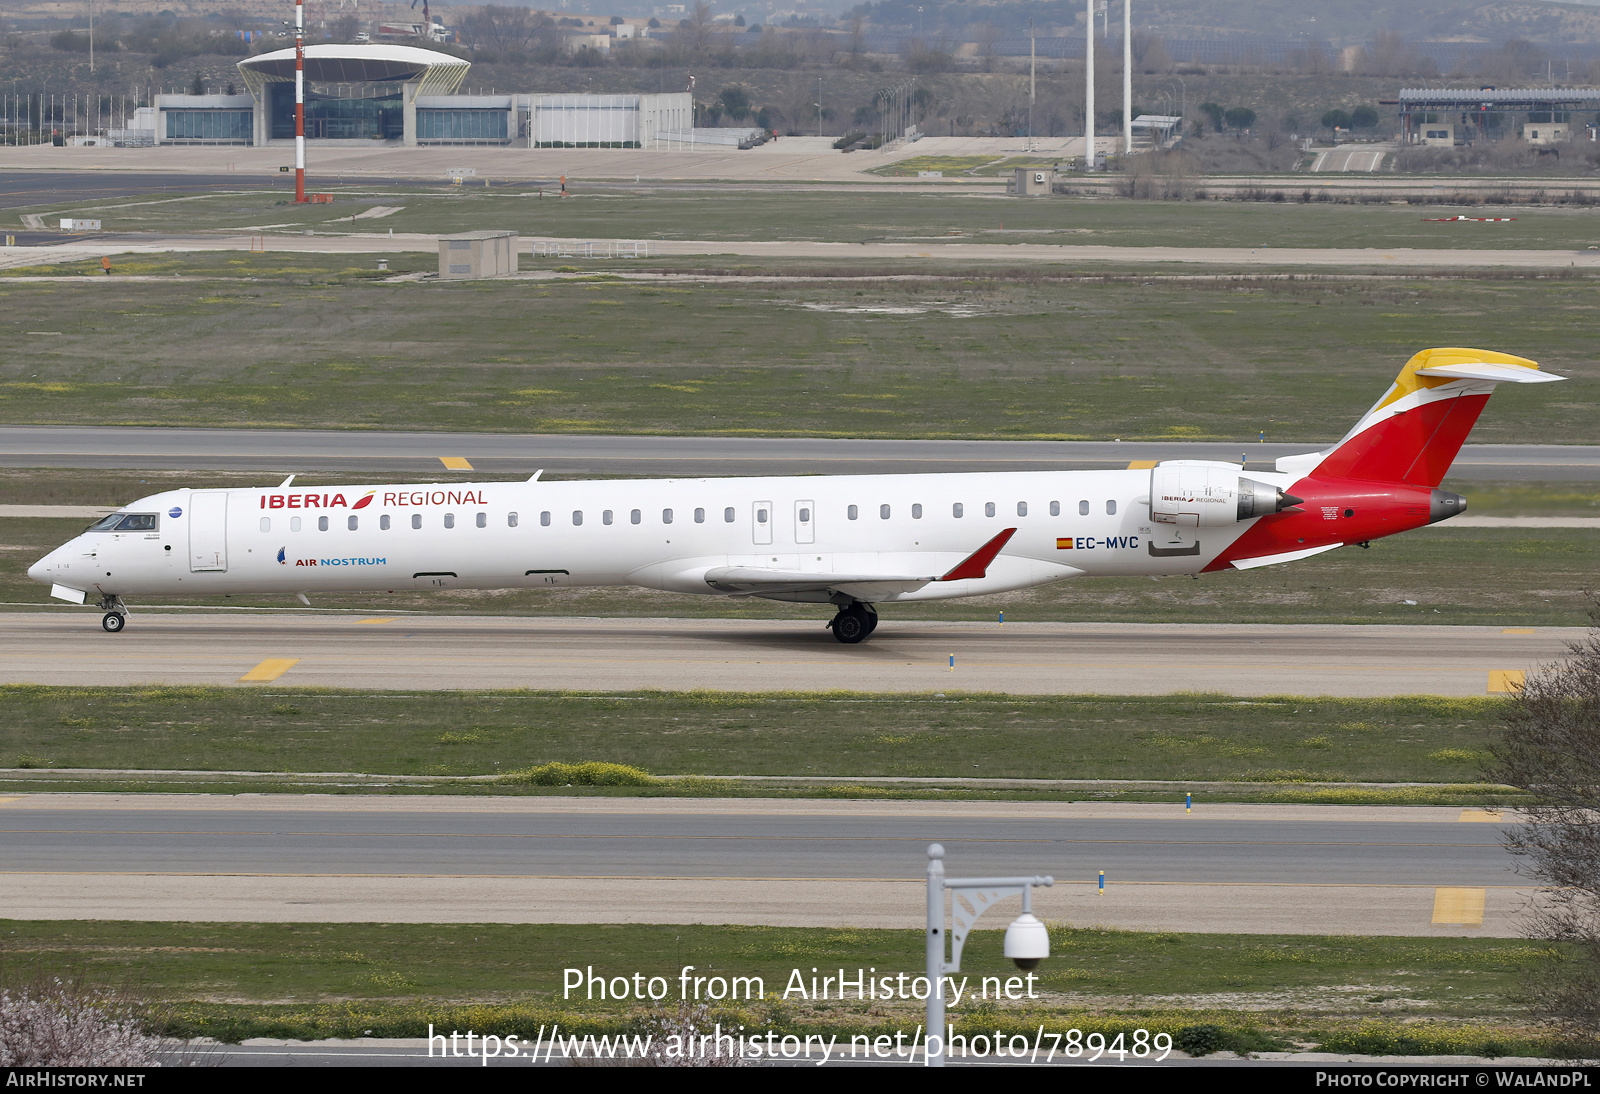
{"x": 442, "y": 652}
{"x": 1356, "y": 158}
{"x": 506, "y": 455}
{"x": 1252, "y": 869}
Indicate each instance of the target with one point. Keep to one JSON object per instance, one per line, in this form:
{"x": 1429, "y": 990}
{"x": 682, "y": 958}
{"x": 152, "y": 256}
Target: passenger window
{"x": 958, "y": 510}
{"x": 1083, "y": 508}
{"x": 1111, "y": 508}
{"x": 449, "y": 520}
{"x": 853, "y": 512}
{"x": 634, "y": 517}
{"x": 883, "y": 512}
{"x": 916, "y": 511}
{"x": 727, "y": 515}
{"x": 577, "y": 518}
{"x": 353, "y": 522}
{"x": 383, "y": 523}
{"x": 266, "y": 524}
{"x": 1055, "y": 509}
{"x": 699, "y": 516}
{"x": 322, "y": 524}
{"x": 988, "y": 508}
{"x": 294, "y": 523}
{"x": 511, "y": 520}
{"x": 605, "y": 518}
{"x": 1022, "y": 508}
{"x": 544, "y": 519}
{"x": 483, "y": 520}
{"x": 416, "y": 520}
{"x": 666, "y": 516}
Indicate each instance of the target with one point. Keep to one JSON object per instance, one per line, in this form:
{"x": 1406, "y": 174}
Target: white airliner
{"x": 851, "y": 541}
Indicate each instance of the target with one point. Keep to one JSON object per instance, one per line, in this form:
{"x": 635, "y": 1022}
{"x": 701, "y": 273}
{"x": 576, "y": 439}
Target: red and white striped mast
{"x": 299, "y": 102}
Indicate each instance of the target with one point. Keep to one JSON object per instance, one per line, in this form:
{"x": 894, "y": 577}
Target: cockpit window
{"x": 125, "y": 522}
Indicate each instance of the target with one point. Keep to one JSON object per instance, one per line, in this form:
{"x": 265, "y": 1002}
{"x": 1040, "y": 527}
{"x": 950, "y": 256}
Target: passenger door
{"x": 805, "y": 526}
{"x": 208, "y": 531}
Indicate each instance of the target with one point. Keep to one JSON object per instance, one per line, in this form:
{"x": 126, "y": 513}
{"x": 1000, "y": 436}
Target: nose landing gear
{"x": 854, "y": 623}
{"x": 116, "y": 616}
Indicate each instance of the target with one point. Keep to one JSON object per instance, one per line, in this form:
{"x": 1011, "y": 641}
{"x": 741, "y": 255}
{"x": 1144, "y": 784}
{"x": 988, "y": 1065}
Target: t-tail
{"x": 1384, "y": 476}
{"x": 1413, "y": 433}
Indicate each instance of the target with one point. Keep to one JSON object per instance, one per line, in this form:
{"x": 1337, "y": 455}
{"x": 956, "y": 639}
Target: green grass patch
{"x": 972, "y": 357}
{"x": 313, "y": 980}
{"x": 1285, "y": 743}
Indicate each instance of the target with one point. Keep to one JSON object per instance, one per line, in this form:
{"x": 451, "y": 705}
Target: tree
{"x": 1215, "y": 112}
{"x": 1363, "y": 117}
{"x": 735, "y": 102}
{"x": 1549, "y": 748}
{"x": 197, "y": 86}
{"x": 1239, "y": 118}
{"x": 343, "y": 28}
{"x": 1336, "y": 119}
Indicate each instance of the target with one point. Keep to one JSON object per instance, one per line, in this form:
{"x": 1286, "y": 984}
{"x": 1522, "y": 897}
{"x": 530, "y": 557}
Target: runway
{"x": 1253, "y": 869}
{"x": 444, "y": 652}
{"x": 416, "y": 455}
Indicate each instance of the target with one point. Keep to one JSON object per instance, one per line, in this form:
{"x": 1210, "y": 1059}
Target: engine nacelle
{"x": 1200, "y": 494}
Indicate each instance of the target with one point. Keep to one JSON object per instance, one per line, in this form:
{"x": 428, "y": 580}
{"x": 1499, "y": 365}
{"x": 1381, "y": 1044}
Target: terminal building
{"x": 406, "y": 95}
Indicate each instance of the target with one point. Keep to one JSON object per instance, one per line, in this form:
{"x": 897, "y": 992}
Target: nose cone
{"x": 43, "y": 571}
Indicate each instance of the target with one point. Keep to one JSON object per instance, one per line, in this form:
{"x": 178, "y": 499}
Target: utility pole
{"x": 1032, "y": 84}
{"x": 299, "y": 102}
{"x": 1127, "y": 77}
{"x": 819, "y": 106}
{"x": 91, "y": 35}
{"x": 1088, "y": 89}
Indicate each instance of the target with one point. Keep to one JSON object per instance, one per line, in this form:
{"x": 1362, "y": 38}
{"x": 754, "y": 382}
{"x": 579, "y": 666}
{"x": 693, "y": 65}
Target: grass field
{"x": 1170, "y": 738}
{"x": 487, "y": 963}
{"x": 1478, "y": 576}
{"x": 715, "y": 213}
{"x": 1125, "y": 358}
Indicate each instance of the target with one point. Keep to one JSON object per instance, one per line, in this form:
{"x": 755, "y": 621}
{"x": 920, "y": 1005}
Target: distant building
{"x": 1433, "y": 134}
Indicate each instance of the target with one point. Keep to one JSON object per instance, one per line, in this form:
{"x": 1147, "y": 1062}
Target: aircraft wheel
{"x": 114, "y": 622}
{"x": 872, "y": 620}
{"x": 852, "y": 625}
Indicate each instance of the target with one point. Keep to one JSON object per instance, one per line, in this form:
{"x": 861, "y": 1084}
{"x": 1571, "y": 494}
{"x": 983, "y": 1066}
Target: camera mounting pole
{"x": 1027, "y": 940}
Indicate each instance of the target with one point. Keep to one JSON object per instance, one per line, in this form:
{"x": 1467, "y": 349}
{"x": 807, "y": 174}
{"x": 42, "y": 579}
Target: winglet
{"x": 976, "y": 564}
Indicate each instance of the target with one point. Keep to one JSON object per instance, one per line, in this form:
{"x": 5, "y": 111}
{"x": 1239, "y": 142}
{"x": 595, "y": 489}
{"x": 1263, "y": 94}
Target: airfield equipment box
{"x": 478, "y": 254}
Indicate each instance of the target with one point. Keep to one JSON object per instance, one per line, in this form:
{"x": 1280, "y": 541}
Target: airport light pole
{"x": 299, "y": 102}
{"x": 1088, "y": 86}
{"x": 1027, "y": 940}
{"x": 1127, "y": 77}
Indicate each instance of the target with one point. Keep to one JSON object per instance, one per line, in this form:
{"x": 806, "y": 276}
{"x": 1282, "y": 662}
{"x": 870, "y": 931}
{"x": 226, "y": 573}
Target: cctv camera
{"x": 1027, "y": 941}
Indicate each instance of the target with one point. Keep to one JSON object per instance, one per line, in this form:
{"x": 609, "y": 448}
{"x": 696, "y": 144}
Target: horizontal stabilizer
{"x": 1489, "y": 372}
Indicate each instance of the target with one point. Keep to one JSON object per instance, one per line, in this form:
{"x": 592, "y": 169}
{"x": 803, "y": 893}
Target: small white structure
{"x": 79, "y": 224}
{"x": 1155, "y": 131}
{"x": 477, "y": 254}
{"x": 1434, "y": 134}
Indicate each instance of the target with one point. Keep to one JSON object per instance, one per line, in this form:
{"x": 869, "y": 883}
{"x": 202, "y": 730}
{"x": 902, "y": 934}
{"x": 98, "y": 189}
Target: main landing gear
{"x": 854, "y": 623}
{"x": 116, "y": 616}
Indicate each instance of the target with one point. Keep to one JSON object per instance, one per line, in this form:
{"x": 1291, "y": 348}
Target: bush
{"x": 590, "y": 773}
{"x": 1199, "y": 1040}
{"x": 60, "y": 1023}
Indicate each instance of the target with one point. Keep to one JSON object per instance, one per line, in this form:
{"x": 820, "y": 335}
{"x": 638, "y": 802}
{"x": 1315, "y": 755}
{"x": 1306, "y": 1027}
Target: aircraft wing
{"x": 757, "y": 579}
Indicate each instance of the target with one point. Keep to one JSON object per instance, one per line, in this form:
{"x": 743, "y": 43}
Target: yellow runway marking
{"x": 1141, "y": 465}
{"x": 1458, "y": 907}
{"x": 387, "y": 620}
{"x": 455, "y": 463}
{"x": 1504, "y": 681}
{"x": 1492, "y": 816}
{"x": 269, "y": 670}
{"x": 1519, "y": 630}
